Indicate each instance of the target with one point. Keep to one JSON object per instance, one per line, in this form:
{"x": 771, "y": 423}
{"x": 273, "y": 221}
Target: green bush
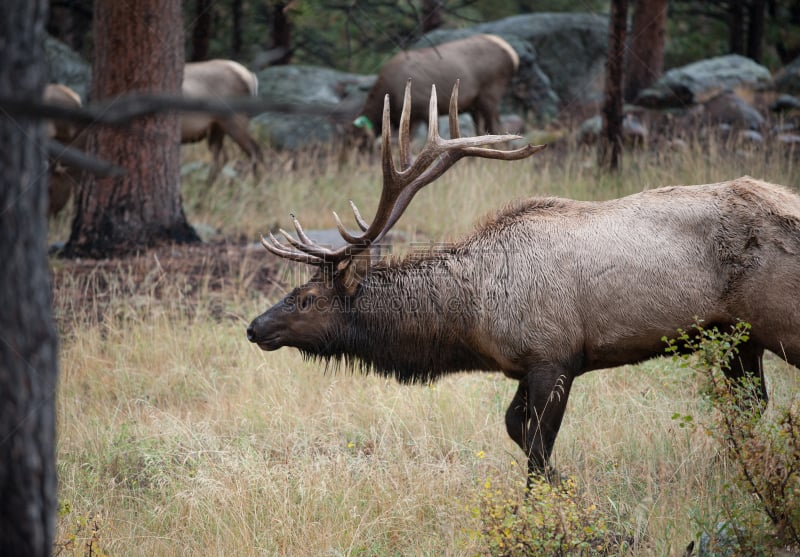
{"x": 550, "y": 519}
{"x": 80, "y": 534}
{"x": 764, "y": 449}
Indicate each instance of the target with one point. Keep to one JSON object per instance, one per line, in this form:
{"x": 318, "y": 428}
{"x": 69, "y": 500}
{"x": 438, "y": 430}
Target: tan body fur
{"x": 484, "y": 64}
{"x": 219, "y": 79}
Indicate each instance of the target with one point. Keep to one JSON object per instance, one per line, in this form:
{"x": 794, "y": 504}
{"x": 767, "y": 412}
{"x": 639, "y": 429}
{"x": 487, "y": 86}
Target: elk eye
{"x": 306, "y": 302}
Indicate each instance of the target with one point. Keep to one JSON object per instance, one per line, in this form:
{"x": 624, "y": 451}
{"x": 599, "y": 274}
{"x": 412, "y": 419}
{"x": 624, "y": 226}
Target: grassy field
{"x": 178, "y": 437}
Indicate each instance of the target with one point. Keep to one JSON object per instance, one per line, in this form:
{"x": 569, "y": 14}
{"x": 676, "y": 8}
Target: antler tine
{"x": 455, "y": 133}
{"x": 275, "y": 247}
{"x": 387, "y": 165}
{"x": 299, "y": 229}
{"x": 362, "y": 224}
{"x": 513, "y": 155}
{"x": 405, "y": 128}
{"x": 345, "y": 234}
{"x": 433, "y": 119}
{"x": 307, "y": 250}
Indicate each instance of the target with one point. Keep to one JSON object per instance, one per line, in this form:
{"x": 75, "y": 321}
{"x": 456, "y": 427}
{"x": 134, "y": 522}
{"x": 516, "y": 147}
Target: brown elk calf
{"x": 547, "y": 289}
{"x": 219, "y": 79}
{"x": 484, "y": 64}
{"x": 61, "y": 178}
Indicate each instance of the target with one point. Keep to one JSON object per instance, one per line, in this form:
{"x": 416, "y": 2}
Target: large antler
{"x": 399, "y": 186}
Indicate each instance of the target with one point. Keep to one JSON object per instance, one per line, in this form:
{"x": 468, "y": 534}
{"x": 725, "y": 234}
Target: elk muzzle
{"x": 264, "y": 332}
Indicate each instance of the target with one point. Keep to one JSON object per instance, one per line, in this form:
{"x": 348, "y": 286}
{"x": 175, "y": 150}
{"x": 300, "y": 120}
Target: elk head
{"x": 314, "y": 317}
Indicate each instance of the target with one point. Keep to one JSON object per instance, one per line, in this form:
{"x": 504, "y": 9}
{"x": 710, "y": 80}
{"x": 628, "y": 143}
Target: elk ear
{"x": 351, "y": 271}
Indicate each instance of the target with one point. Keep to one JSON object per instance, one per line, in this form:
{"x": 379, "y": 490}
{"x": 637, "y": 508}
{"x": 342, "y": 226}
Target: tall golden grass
{"x": 178, "y": 437}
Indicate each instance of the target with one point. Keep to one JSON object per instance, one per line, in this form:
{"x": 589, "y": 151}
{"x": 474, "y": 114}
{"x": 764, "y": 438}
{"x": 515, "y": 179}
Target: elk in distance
{"x": 219, "y": 79}
{"x": 484, "y": 65}
{"x": 59, "y": 187}
{"x": 548, "y": 288}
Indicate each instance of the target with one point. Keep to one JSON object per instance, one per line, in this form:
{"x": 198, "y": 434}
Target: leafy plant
{"x": 551, "y": 519}
{"x": 82, "y": 533}
{"x": 765, "y": 450}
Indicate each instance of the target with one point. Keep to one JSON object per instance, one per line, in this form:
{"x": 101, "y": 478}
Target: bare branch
{"x": 78, "y": 159}
{"x": 127, "y": 107}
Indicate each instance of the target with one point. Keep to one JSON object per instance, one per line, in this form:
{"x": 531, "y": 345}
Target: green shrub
{"x": 547, "y": 519}
{"x": 80, "y": 534}
{"x": 764, "y": 449}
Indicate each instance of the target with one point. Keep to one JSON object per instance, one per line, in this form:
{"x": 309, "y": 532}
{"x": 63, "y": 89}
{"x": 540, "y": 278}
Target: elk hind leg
{"x": 216, "y": 137}
{"x": 747, "y": 366}
{"x": 487, "y": 117}
{"x": 237, "y": 129}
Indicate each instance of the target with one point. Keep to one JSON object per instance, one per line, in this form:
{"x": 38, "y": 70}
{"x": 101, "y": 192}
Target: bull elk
{"x": 484, "y": 64}
{"x": 548, "y": 288}
{"x": 219, "y": 79}
{"x": 59, "y": 187}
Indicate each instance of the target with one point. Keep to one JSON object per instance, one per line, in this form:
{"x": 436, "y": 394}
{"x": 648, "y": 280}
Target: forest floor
{"x": 193, "y": 274}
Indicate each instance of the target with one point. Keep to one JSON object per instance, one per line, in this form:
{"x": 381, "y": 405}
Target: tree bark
{"x": 28, "y": 350}
{"x": 138, "y": 47}
{"x": 236, "y": 34}
{"x": 755, "y": 29}
{"x": 610, "y": 144}
{"x": 736, "y": 26}
{"x": 70, "y": 22}
{"x": 281, "y": 34}
{"x": 432, "y": 17}
{"x": 201, "y": 30}
{"x": 646, "y": 57}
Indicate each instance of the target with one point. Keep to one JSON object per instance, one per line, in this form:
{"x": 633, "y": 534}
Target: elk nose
{"x": 251, "y": 334}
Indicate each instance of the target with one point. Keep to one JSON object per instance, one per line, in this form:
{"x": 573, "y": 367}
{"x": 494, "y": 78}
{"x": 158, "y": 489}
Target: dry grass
{"x": 177, "y": 437}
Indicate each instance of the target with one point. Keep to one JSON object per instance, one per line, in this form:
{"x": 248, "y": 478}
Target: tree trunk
{"x": 432, "y": 15}
{"x": 138, "y": 47}
{"x": 28, "y": 350}
{"x": 736, "y": 26}
{"x": 610, "y": 144}
{"x": 281, "y": 35}
{"x": 646, "y": 57}
{"x": 786, "y": 45}
{"x": 70, "y": 22}
{"x": 236, "y": 33}
{"x": 201, "y": 30}
{"x": 755, "y": 29}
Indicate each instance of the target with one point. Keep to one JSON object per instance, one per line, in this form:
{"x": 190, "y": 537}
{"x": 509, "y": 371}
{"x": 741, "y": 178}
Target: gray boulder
{"x": 530, "y": 92}
{"x": 284, "y": 130}
{"x": 319, "y": 88}
{"x": 728, "y": 108}
{"x": 791, "y": 139}
{"x": 65, "y": 66}
{"x": 571, "y": 49}
{"x": 633, "y": 131}
{"x": 787, "y": 80}
{"x": 562, "y": 56}
{"x": 313, "y": 105}
{"x": 699, "y": 81}
{"x": 785, "y": 103}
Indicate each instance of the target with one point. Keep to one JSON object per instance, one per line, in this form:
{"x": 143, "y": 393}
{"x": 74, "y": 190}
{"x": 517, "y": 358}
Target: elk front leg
{"x": 238, "y": 130}
{"x": 216, "y": 137}
{"x": 534, "y": 417}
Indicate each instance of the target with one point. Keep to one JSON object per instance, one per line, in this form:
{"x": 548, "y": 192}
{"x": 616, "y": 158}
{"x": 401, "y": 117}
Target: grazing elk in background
{"x": 484, "y": 64}
{"x": 219, "y": 79}
{"x": 61, "y": 178}
{"x": 548, "y": 288}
